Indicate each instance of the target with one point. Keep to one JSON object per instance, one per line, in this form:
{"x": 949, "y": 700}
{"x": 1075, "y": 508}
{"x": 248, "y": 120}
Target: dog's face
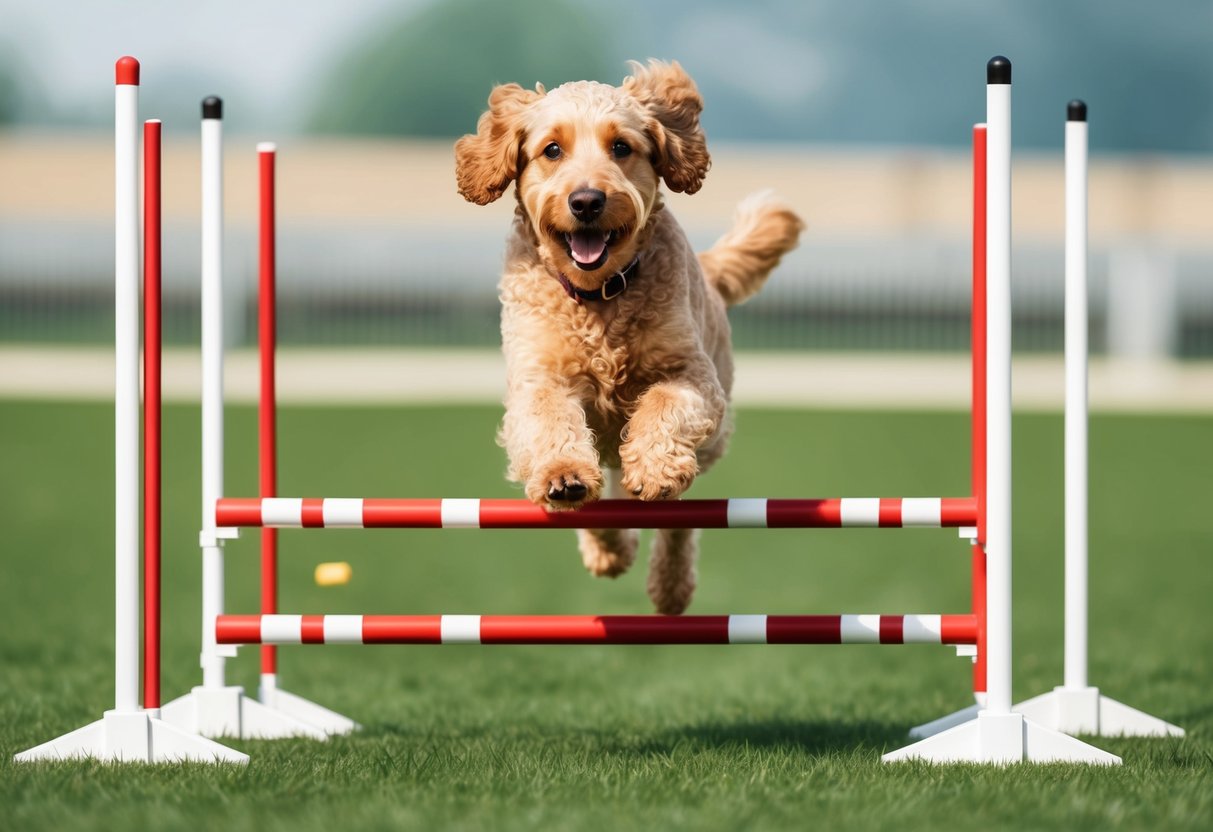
{"x": 587, "y": 159}
{"x": 587, "y": 181}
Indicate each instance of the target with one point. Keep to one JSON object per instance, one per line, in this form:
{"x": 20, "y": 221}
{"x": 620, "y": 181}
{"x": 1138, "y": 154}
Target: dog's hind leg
{"x": 607, "y": 553}
{"x": 672, "y": 570}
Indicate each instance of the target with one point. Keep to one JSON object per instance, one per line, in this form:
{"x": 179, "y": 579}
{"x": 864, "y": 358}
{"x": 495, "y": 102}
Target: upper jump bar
{"x": 734, "y": 513}
{"x": 596, "y": 629}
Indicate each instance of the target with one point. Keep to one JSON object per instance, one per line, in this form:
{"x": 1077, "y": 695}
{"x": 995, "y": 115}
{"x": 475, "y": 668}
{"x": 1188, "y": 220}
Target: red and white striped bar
{"x": 596, "y": 629}
{"x": 735, "y": 513}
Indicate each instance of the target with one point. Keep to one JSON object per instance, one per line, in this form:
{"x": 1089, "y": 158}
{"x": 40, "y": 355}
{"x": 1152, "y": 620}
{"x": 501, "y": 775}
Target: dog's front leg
{"x": 551, "y": 449}
{"x": 673, "y": 419}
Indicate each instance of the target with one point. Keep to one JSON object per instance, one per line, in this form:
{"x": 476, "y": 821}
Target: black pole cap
{"x": 998, "y": 70}
{"x": 212, "y": 107}
{"x": 1076, "y": 110}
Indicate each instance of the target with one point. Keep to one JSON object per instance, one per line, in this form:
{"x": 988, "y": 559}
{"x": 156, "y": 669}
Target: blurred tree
{"x": 430, "y": 75}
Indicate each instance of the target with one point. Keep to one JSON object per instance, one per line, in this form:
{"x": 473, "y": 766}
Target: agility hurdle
{"x": 996, "y": 735}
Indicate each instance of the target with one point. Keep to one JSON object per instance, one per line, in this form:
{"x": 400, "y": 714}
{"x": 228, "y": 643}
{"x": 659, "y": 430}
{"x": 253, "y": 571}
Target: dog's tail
{"x": 763, "y": 231}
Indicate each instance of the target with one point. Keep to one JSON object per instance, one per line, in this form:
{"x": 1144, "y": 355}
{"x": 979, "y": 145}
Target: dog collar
{"x": 614, "y": 286}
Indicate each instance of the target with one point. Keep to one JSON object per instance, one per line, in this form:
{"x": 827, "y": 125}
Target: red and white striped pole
{"x": 596, "y": 629}
{"x": 733, "y": 513}
{"x": 151, "y": 415}
{"x": 268, "y": 408}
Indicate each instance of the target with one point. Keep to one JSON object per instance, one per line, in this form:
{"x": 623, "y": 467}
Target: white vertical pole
{"x": 126, "y": 387}
{"x": 998, "y": 388}
{"x": 212, "y": 659}
{"x": 1076, "y": 398}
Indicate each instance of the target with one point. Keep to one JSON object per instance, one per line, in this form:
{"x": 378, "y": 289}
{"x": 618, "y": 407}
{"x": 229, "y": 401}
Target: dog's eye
{"x": 552, "y": 151}
{"x": 621, "y": 149}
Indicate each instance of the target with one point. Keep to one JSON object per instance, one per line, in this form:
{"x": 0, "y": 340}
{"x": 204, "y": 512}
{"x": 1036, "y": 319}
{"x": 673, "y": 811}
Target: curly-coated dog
{"x": 614, "y": 331}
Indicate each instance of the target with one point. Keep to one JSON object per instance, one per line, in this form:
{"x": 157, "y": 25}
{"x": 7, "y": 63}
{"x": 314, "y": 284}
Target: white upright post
{"x": 999, "y": 735}
{"x": 212, "y": 659}
{"x": 1076, "y": 707}
{"x": 128, "y": 733}
{"x": 214, "y": 708}
{"x": 998, "y": 387}
{"x": 1076, "y": 398}
{"x": 126, "y": 398}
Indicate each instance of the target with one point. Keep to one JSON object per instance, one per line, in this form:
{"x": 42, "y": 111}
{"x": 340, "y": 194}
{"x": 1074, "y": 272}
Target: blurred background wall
{"x": 858, "y": 113}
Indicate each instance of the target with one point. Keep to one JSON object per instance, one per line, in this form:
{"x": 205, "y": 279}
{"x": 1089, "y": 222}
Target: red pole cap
{"x": 126, "y": 71}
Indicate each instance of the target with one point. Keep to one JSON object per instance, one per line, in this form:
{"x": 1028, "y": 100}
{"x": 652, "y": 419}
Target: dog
{"x": 614, "y": 331}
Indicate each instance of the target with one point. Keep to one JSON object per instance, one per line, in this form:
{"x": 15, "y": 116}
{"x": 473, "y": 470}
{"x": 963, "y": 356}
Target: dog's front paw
{"x": 565, "y": 484}
{"x": 657, "y": 470}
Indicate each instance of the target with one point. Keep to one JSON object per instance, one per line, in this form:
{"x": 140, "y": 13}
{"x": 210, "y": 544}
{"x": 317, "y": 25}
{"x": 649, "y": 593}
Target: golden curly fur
{"x": 639, "y": 383}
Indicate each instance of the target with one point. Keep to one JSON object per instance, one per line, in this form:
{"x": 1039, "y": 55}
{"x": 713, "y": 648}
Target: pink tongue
{"x": 587, "y": 246}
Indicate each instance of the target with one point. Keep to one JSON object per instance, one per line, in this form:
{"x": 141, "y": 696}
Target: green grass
{"x": 602, "y": 737}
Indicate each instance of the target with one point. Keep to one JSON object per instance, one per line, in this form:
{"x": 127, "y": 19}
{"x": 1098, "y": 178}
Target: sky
{"x": 264, "y": 52}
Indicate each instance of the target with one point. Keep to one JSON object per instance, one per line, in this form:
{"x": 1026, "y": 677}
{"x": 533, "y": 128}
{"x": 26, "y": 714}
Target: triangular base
{"x": 1086, "y": 711}
{"x": 305, "y": 710}
{"x": 227, "y": 712}
{"x": 1002, "y": 739}
{"x": 132, "y": 737}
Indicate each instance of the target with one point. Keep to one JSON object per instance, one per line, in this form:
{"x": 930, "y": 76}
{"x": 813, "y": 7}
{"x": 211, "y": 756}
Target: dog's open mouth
{"x": 589, "y": 247}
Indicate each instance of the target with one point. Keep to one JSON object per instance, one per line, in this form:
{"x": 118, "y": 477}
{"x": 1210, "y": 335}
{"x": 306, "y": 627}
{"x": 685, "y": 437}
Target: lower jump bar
{"x": 886, "y": 512}
{"x": 596, "y": 629}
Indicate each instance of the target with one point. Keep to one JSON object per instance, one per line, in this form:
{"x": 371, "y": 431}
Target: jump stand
{"x": 1074, "y": 706}
{"x": 998, "y": 734}
{"x": 129, "y": 733}
{"x": 214, "y": 708}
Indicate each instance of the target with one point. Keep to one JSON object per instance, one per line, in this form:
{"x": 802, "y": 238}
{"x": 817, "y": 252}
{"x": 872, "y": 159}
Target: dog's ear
{"x": 674, "y": 105}
{"x": 487, "y": 161}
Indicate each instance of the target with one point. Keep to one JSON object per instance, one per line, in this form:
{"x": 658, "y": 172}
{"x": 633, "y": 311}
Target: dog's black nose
{"x": 587, "y": 204}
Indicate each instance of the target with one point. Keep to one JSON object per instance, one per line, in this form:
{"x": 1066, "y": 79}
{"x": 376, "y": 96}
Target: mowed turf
{"x": 613, "y": 737}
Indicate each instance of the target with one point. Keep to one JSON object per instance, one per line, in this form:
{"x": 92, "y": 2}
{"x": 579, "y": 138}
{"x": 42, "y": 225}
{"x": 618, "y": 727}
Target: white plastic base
{"x": 305, "y": 710}
{"x": 227, "y": 712}
{"x": 132, "y": 737}
{"x": 1002, "y": 739}
{"x": 1085, "y": 711}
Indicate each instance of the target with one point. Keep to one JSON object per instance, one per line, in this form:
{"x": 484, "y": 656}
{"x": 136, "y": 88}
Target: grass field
{"x": 601, "y": 737}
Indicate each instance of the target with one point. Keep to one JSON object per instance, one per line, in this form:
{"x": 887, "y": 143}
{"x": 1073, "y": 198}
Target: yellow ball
{"x": 333, "y": 574}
